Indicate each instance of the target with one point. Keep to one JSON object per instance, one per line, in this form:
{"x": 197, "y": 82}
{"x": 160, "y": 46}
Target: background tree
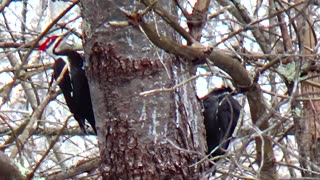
{"x": 143, "y": 59}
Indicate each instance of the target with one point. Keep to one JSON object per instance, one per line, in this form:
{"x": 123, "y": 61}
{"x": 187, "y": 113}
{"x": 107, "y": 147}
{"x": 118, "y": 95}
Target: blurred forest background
{"x": 276, "y": 41}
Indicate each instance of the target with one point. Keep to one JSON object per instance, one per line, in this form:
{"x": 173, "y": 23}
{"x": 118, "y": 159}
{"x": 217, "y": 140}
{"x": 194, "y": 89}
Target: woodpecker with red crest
{"x": 74, "y": 83}
{"x": 221, "y": 114}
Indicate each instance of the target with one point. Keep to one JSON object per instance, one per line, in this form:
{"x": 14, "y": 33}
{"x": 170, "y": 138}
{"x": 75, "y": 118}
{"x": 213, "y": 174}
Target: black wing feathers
{"x": 75, "y": 88}
{"x": 221, "y": 114}
{"x": 67, "y": 90}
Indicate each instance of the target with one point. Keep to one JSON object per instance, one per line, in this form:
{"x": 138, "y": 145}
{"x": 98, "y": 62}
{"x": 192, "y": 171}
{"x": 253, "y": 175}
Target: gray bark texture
{"x": 158, "y": 136}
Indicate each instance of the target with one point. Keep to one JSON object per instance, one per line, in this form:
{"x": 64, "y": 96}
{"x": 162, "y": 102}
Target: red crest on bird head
{"x": 47, "y": 43}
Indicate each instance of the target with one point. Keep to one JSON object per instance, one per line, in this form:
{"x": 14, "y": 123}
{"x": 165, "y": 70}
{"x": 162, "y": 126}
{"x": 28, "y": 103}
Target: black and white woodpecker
{"x": 74, "y": 83}
{"x": 221, "y": 114}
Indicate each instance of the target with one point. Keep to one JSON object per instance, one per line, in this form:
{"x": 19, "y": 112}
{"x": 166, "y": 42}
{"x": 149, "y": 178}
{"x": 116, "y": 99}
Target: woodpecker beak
{"x": 55, "y": 44}
{"x": 65, "y": 35}
{"x": 62, "y": 38}
{"x": 61, "y": 42}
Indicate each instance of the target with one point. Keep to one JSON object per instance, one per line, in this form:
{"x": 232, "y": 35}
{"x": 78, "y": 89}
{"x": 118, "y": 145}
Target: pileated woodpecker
{"x": 74, "y": 83}
{"x": 221, "y": 114}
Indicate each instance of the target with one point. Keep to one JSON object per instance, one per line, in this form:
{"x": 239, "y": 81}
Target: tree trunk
{"x": 308, "y": 133}
{"x": 160, "y": 135}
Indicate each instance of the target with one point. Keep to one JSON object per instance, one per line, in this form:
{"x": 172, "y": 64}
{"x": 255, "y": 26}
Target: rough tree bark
{"x": 160, "y": 135}
{"x": 308, "y": 133}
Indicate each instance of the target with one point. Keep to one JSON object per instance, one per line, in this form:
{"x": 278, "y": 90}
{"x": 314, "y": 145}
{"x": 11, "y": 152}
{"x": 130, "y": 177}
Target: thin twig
{"x": 151, "y": 92}
{"x": 53, "y": 142}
